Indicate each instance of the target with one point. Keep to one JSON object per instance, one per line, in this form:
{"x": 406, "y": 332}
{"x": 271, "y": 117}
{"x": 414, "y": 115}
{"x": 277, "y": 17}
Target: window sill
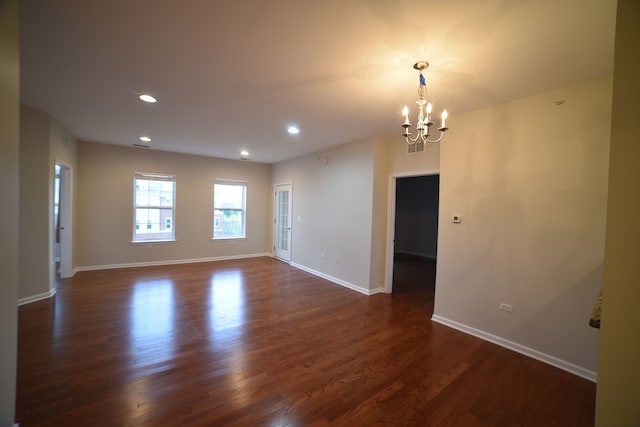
{"x": 152, "y": 242}
{"x": 222, "y": 239}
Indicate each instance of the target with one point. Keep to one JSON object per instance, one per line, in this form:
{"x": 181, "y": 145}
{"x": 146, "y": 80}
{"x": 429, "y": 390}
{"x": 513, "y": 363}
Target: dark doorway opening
{"x": 416, "y": 237}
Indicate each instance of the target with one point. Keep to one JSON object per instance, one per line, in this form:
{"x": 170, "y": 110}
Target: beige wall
{"x": 43, "y": 142}
{"x": 379, "y": 218}
{"x": 104, "y": 206}
{"x": 402, "y": 163}
{"x": 530, "y": 182}
{"x": 34, "y": 203}
{"x": 617, "y": 403}
{"x": 9, "y": 192}
{"x": 63, "y": 146}
{"x": 332, "y": 211}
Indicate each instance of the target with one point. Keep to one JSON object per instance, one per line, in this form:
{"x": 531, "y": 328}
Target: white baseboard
{"x": 280, "y": 259}
{"x": 535, "y": 354}
{"x": 338, "y": 281}
{"x": 167, "y": 262}
{"x": 38, "y": 297}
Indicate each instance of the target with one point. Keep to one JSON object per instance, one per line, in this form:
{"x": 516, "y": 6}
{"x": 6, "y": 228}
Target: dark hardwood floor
{"x": 258, "y": 343}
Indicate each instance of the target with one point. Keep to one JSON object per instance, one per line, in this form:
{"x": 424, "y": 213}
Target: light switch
{"x": 456, "y": 219}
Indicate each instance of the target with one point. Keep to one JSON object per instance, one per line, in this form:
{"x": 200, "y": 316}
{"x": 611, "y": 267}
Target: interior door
{"x": 282, "y": 222}
{"x": 64, "y": 221}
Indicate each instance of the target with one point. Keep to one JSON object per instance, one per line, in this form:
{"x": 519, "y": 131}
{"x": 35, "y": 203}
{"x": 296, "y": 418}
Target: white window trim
{"x": 158, "y": 177}
{"x": 149, "y": 242}
{"x": 239, "y": 182}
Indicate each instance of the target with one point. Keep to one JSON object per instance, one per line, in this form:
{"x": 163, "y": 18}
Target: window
{"x": 229, "y": 209}
{"x": 154, "y": 206}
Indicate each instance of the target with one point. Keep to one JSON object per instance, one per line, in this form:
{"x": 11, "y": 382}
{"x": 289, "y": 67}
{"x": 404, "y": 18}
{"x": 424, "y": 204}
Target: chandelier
{"x": 424, "y": 121}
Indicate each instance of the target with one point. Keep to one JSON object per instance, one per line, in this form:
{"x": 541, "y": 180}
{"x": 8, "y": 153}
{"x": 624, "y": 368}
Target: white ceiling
{"x": 231, "y": 75}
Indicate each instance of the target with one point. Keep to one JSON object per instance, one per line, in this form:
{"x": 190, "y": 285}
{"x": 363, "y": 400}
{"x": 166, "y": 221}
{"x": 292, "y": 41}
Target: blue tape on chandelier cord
{"x": 422, "y": 80}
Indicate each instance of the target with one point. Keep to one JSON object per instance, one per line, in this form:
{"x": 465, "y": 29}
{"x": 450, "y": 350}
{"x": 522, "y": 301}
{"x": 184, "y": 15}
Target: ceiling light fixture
{"x": 424, "y": 123}
{"x": 293, "y": 130}
{"x": 148, "y": 98}
{"x": 244, "y": 153}
{"x": 145, "y": 139}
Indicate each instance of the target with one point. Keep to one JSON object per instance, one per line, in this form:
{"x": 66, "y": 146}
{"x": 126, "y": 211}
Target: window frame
{"x": 239, "y": 183}
{"x": 135, "y": 237}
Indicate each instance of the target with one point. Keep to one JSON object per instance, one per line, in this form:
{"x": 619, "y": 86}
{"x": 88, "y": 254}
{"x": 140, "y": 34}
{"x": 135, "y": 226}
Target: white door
{"x": 282, "y": 222}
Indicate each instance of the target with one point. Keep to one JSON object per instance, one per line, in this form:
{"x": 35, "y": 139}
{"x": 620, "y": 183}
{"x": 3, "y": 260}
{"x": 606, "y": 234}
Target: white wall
{"x": 104, "y": 206}
{"x": 9, "y": 192}
{"x": 619, "y": 368}
{"x": 332, "y": 211}
{"x": 530, "y": 182}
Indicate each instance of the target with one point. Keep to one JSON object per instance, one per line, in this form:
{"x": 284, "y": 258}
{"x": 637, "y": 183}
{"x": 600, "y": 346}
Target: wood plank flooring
{"x": 258, "y": 343}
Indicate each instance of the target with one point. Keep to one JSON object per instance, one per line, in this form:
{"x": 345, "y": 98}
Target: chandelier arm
{"x": 439, "y": 138}
{"x": 412, "y": 141}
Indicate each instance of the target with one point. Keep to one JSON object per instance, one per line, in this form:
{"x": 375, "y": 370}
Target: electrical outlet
{"x": 506, "y": 307}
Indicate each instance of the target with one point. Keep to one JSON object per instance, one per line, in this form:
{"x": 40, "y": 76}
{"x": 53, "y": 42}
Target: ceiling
{"x": 232, "y": 75}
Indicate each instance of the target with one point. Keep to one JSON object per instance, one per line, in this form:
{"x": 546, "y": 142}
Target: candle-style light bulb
{"x": 429, "y": 108}
{"x": 444, "y": 116}
{"x": 405, "y": 113}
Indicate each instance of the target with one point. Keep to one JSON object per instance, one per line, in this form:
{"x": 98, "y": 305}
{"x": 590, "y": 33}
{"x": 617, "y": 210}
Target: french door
{"x": 282, "y": 222}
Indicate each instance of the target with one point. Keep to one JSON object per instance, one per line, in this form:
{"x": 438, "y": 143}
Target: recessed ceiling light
{"x": 293, "y": 130}
{"x": 244, "y": 153}
{"x": 147, "y": 98}
{"x": 145, "y": 139}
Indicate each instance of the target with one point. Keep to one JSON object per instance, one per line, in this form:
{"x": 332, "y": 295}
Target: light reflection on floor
{"x": 227, "y": 305}
{"x": 227, "y": 319}
{"x": 152, "y": 321}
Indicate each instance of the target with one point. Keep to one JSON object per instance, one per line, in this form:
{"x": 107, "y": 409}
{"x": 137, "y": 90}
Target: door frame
{"x": 275, "y": 218}
{"x": 66, "y": 221}
{"x": 391, "y": 220}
